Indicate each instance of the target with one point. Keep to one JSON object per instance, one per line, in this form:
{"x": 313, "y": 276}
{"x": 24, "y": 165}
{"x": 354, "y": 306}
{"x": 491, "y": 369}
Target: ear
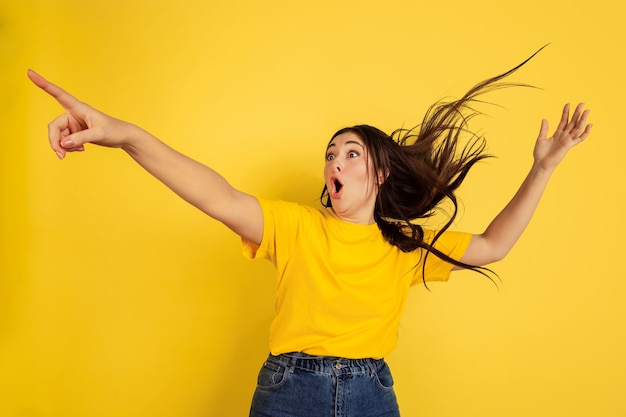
{"x": 383, "y": 175}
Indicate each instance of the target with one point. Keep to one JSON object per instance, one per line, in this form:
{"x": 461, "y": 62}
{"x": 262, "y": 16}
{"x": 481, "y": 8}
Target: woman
{"x": 344, "y": 271}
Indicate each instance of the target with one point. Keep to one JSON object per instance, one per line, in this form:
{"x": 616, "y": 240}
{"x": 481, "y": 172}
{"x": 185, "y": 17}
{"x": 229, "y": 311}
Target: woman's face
{"x": 350, "y": 179}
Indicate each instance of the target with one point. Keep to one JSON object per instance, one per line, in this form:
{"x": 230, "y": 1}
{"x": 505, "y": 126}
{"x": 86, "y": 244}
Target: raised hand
{"x": 81, "y": 123}
{"x": 570, "y": 132}
{"x": 506, "y": 228}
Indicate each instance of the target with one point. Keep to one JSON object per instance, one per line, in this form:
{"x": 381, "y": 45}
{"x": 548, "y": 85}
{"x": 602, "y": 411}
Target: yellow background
{"x": 118, "y": 299}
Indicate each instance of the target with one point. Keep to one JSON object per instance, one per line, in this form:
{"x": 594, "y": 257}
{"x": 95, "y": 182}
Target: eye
{"x": 353, "y": 154}
{"x": 330, "y": 157}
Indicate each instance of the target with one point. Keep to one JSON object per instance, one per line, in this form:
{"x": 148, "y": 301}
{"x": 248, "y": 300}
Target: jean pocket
{"x": 271, "y": 375}
{"x": 383, "y": 374}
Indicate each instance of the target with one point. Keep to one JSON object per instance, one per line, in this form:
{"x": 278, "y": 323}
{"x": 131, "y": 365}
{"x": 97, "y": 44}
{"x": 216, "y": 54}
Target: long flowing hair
{"x": 424, "y": 166}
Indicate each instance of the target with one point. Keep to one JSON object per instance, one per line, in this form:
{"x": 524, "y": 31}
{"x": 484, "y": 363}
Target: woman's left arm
{"x": 502, "y": 233}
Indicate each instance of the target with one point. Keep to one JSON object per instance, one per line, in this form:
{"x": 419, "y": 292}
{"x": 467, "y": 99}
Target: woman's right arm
{"x": 195, "y": 183}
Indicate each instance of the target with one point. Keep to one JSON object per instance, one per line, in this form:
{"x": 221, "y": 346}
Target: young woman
{"x": 344, "y": 271}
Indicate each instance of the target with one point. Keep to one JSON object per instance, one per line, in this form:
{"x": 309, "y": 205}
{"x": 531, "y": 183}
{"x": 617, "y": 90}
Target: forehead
{"x": 346, "y": 138}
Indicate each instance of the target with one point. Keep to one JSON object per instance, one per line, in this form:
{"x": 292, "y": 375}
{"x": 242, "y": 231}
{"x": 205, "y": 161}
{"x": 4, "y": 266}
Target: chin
{"x": 338, "y": 207}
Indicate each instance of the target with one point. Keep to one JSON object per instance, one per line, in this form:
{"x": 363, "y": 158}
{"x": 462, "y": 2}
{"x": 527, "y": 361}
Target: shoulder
{"x": 280, "y": 214}
{"x": 289, "y": 208}
{"x": 448, "y": 241}
{"x": 284, "y": 223}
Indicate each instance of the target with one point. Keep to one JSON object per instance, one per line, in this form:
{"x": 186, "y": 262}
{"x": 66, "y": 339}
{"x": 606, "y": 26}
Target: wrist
{"x": 540, "y": 170}
{"x": 132, "y": 136}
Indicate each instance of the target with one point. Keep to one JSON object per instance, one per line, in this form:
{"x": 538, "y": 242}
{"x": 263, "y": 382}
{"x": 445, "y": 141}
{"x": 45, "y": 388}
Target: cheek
{"x": 327, "y": 171}
{"x": 367, "y": 172}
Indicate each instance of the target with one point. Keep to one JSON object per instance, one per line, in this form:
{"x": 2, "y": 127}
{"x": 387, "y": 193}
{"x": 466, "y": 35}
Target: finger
{"x": 586, "y": 133}
{"x": 574, "y": 123}
{"x": 80, "y": 148}
{"x": 564, "y": 118}
{"x": 581, "y": 122}
{"x": 579, "y": 137}
{"x": 77, "y": 140}
{"x": 64, "y": 98}
{"x": 543, "y": 130}
{"x": 57, "y": 130}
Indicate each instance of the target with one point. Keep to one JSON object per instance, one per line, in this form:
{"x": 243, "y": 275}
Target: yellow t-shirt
{"x": 341, "y": 286}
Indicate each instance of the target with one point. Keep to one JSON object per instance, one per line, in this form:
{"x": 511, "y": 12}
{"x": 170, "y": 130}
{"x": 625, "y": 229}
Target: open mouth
{"x": 335, "y": 188}
{"x": 338, "y": 185}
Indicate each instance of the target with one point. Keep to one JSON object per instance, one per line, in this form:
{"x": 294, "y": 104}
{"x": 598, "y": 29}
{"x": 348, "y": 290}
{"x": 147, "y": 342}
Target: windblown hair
{"x": 425, "y": 165}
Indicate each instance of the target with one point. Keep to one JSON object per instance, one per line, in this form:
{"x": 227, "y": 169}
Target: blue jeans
{"x": 301, "y": 385}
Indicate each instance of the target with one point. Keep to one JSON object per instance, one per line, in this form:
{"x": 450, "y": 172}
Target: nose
{"x": 337, "y": 165}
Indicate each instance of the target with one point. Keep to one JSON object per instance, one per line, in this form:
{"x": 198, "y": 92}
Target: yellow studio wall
{"x": 117, "y": 299}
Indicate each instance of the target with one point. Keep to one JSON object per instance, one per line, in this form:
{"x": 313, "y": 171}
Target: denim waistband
{"x": 327, "y": 364}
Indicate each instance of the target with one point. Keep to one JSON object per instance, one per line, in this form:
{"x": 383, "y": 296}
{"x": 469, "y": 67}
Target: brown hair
{"x": 425, "y": 165}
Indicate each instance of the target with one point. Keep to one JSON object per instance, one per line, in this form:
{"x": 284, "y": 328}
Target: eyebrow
{"x": 346, "y": 142}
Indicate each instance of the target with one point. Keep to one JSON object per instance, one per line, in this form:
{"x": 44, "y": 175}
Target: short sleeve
{"x": 453, "y": 244}
{"x": 282, "y": 224}
{"x": 252, "y": 250}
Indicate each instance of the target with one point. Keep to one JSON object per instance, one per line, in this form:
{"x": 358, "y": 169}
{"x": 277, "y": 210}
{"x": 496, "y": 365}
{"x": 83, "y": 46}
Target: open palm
{"x": 570, "y": 132}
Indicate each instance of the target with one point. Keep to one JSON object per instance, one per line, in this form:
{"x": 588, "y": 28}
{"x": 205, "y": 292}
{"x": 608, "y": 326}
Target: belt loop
{"x": 290, "y": 362}
{"x": 372, "y": 365}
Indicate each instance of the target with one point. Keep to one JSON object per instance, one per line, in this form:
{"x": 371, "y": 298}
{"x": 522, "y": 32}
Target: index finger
{"x": 564, "y": 118}
{"x": 64, "y": 98}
